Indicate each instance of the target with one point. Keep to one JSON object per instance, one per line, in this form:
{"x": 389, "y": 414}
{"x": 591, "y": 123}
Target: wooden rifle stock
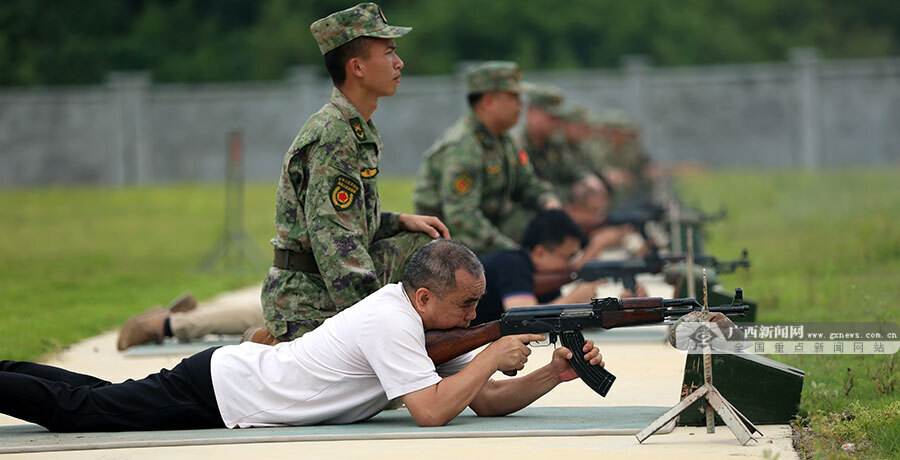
{"x": 444, "y": 345}
{"x": 548, "y": 282}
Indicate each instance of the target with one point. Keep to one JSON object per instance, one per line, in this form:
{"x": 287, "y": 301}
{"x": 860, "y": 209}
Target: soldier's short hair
{"x": 434, "y": 266}
{"x": 549, "y": 228}
{"x": 336, "y": 59}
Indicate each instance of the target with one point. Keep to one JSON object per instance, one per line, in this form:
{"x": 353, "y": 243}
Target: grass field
{"x": 825, "y": 246}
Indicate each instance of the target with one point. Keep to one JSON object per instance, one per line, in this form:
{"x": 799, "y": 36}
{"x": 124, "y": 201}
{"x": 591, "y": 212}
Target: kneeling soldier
{"x": 334, "y": 245}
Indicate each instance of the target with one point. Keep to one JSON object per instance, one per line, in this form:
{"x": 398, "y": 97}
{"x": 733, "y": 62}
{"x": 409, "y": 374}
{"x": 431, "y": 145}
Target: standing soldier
{"x": 543, "y": 138}
{"x": 473, "y": 177}
{"x": 334, "y": 245}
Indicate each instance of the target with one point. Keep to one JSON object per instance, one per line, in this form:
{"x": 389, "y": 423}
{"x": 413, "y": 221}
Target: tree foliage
{"x": 50, "y": 42}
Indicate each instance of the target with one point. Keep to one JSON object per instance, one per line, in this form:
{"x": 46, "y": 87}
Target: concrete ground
{"x": 649, "y": 373}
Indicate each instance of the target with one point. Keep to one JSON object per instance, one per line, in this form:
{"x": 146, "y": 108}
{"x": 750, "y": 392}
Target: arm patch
{"x": 462, "y": 184}
{"x": 343, "y": 192}
{"x": 523, "y": 157}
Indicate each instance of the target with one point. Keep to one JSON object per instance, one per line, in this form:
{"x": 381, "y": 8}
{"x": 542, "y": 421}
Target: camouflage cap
{"x": 547, "y": 98}
{"x": 494, "y": 76}
{"x": 616, "y": 117}
{"x": 363, "y": 20}
{"x": 577, "y": 113}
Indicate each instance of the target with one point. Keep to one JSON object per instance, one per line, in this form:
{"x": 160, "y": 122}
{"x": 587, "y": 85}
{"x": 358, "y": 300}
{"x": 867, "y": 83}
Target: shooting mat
{"x": 391, "y": 424}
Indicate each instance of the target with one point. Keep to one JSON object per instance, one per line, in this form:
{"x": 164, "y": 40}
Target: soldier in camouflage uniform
{"x": 624, "y": 153}
{"x": 543, "y": 138}
{"x": 334, "y": 245}
{"x": 474, "y": 177}
{"x": 585, "y": 148}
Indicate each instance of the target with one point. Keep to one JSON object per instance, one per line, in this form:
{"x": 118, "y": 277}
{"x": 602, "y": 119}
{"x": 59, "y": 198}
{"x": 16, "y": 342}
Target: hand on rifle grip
{"x": 511, "y": 352}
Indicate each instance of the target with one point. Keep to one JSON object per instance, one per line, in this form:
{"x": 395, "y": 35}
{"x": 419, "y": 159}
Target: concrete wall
{"x": 805, "y": 112}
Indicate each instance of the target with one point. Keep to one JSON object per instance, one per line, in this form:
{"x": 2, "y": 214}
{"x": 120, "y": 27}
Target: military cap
{"x": 494, "y": 76}
{"x": 547, "y": 98}
{"x": 577, "y": 113}
{"x": 363, "y": 20}
{"x": 616, "y": 117}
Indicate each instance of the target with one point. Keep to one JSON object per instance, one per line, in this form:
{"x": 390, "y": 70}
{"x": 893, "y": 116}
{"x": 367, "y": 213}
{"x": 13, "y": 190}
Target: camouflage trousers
{"x": 295, "y": 303}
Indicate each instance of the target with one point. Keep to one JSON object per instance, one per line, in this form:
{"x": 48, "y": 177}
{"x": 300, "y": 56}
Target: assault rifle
{"x": 634, "y": 213}
{"x": 636, "y": 216}
{"x": 565, "y": 322}
{"x": 697, "y": 217}
{"x": 626, "y": 270}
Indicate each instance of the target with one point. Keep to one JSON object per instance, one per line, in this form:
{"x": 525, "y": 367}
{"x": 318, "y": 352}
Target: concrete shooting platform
{"x": 649, "y": 373}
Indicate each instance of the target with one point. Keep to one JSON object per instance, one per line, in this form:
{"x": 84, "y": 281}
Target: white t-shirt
{"x": 346, "y": 370}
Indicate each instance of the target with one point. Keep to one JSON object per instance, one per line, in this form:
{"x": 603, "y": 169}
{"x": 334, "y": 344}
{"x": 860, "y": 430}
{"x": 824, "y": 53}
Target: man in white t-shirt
{"x": 346, "y": 370}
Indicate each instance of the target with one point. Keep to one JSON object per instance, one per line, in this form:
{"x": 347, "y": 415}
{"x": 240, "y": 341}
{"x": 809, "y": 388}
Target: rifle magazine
{"x": 596, "y": 377}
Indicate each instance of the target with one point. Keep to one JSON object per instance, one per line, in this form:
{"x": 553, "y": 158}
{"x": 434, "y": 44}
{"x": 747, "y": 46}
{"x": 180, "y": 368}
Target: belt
{"x": 286, "y": 259}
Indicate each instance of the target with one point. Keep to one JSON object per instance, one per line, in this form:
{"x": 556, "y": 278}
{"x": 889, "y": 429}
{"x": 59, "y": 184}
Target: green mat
{"x": 393, "y": 424}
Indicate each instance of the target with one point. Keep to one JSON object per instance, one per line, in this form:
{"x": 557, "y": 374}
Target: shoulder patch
{"x": 523, "y": 157}
{"x": 492, "y": 169}
{"x": 358, "y": 131}
{"x": 367, "y": 173}
{"x": 462, "y": 184}
{"x": 344, "y": 192}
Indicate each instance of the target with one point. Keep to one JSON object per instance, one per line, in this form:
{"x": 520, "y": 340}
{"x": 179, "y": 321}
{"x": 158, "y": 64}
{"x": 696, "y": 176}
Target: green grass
{"x": 79, "y": 261}
{"x": 825, "y": 246}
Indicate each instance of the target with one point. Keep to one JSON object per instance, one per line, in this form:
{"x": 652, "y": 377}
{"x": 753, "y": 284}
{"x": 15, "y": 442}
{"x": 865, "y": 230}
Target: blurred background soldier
{"x": 626, "y": 162}
{"x": 582, "y": 144}
{"x": 543, "y": 138}
{"x": 473, "y": 177}
{"x": 185, "y": 320}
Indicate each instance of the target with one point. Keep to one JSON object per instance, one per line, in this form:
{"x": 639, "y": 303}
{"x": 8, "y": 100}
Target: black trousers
{"x": 59, "y": 400}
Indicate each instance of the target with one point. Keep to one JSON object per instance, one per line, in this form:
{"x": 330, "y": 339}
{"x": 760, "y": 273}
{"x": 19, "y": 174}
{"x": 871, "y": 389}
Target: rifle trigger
{"x": 542, "y": 343}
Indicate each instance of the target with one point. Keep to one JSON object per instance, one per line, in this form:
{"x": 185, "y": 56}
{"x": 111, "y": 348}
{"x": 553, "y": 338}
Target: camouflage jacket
{"x": 553, "y": 162}
{"x": 629, "y": 156}
{"x": 327, "y": 200}
{"x": 471, "y": 180}
{"x": 590, "y": 155}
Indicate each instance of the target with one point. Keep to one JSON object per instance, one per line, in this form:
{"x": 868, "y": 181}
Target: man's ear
{"x": 422, "y": 296}
{"x": 354, "y": 67}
